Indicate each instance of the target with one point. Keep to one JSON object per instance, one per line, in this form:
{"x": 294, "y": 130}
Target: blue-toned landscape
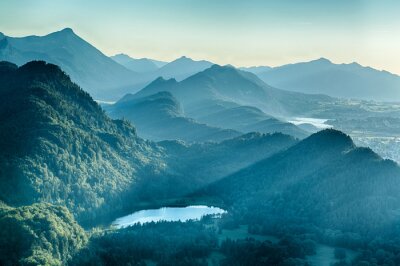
{"x": 232, "y": 133}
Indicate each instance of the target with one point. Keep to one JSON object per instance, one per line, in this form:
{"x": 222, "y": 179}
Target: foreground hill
{"x": 160, "y": 117}
{"x": 337, "y": 80}
{"x": 91, "y": 69}
{"x": 58, "y": 146}
{"x": 323, "y": 181}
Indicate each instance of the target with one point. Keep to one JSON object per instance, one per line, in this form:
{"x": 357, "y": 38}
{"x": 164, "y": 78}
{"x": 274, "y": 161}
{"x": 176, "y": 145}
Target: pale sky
{"x": 241, "y": 33}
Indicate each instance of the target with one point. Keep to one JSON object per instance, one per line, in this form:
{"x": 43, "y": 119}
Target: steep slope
{"x": 337, "y": 80}
{"x": 325, "y": 181}
{"x": 58, "y": 146}
{"x": 87, "y": 66}
{"x": 141, "y": 65}
{"x": 160, "y": 117}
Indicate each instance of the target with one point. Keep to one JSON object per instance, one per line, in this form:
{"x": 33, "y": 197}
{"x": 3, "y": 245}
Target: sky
{"x": 241, "y": 33}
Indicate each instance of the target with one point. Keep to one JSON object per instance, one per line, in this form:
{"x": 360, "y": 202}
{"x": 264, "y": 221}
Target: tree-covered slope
{"x": 160, "y": 117}
{"x": 58, "y": 146}
{"x": 39, "y": 234}
{"x": 192, "y": 166}
{"x": 323, "y": 180}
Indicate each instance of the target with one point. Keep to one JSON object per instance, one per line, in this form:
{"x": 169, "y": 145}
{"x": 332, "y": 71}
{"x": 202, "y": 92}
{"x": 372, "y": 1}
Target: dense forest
{"x": 67, "y": 170}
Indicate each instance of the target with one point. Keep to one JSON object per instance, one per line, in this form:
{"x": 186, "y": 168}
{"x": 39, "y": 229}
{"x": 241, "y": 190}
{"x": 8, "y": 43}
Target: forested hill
{"x": 58, "y": 146}
{"x": 324, "y": 180}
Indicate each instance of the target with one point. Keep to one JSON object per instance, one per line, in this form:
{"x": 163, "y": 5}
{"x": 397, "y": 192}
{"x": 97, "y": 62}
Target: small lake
{"x": 167, "y": 214}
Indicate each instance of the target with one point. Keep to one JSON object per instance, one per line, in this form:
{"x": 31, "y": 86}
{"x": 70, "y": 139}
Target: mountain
{"x": 337, "y": 80}
{"x": 160, "y": 117}
{"x": 223, "y": 96}
{"x": 58, "y": 146}
{"x": 98, "y": 74}
{"x": 182, "y": 68}
{"x": 228, "y": 84}
{"x": 324, "y": 181}
{"x": 141, "y": 65}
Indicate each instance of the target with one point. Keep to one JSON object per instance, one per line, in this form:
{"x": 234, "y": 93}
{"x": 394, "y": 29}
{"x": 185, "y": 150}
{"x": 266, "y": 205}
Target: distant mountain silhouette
{"x": 95, "y": 72}
{"x": 182, "y": 68}
{"x": 256, "y": 69}
{"x": 141, "y": 65}
{"x": 160, "y": 117}
{"x": 337, "y": 80}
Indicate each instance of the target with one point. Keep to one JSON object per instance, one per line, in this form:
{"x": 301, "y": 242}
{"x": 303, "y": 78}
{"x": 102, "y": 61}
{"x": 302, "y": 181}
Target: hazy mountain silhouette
{"x": 256, "y": 69}
{"x": 95, "y": 72}
{"x": 182, "y": 68}
{"x": 338, "y": 80}
{"x": 141, "y": 65}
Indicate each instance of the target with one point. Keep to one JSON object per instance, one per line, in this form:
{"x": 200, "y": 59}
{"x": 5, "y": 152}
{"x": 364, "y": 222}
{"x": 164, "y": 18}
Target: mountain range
{"x": 141, "y": 65}
{"x": 108, "y": 78}
{"x": 350, "y": 81}
{"x": 95, "y": 72}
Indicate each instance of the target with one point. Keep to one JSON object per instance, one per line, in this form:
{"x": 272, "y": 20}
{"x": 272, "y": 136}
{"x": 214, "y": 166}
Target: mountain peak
{"x": 322, "y": 60}
{"x": 67, "y": 30}
{"x": 183, "y": 59}
{"x": 332, "y": 138}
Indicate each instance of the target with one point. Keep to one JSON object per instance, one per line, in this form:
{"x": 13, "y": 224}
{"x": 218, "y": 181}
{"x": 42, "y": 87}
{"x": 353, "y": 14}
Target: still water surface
{"x": 167, "y": 214}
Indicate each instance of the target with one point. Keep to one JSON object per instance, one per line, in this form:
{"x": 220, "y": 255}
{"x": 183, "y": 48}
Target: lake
{"x": 167, "y": 214}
